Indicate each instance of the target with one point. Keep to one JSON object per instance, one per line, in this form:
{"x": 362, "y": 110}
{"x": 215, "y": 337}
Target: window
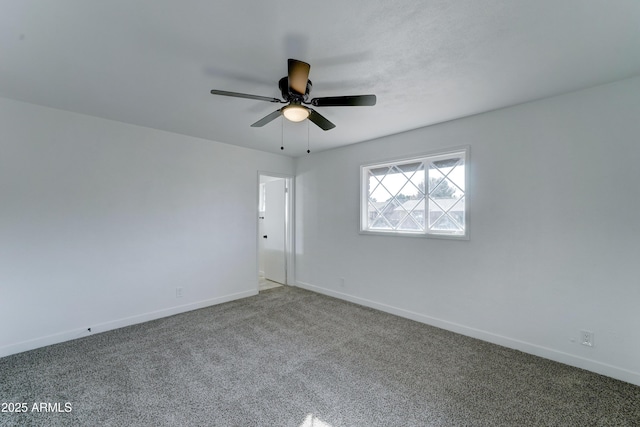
{"x": 422, "y": 196}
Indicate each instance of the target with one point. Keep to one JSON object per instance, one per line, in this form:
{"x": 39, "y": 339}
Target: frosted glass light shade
{"x": 295, "y": 113}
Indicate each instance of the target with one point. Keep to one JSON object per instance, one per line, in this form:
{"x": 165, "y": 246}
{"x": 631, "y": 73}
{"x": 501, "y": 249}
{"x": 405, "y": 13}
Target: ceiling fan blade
{"x": 345, "y": 101}
{"x": 244, "y": 95}
{"x": 298, "y": 76}
{"x": 266, "y": 119}
{"x": 320, "y": 120}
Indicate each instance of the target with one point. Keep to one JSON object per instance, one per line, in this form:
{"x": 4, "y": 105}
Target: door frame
{"x": 289, "y": 211}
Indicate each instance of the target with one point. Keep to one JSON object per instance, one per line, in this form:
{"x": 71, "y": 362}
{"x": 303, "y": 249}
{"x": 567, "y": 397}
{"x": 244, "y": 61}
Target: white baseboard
{"x": 536, "y": 350}
{"x": 119, "y": 323}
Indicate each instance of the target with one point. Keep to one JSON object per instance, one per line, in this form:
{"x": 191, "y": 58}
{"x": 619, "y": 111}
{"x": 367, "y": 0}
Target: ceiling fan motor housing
{"x": 283, "y": 84}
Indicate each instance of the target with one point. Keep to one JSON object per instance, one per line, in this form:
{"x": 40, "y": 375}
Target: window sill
{"x": 417, "y": 234}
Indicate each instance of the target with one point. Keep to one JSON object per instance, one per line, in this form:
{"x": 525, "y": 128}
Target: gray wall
{"x": 553, "y": 247}
{"x": 101, "y": 221}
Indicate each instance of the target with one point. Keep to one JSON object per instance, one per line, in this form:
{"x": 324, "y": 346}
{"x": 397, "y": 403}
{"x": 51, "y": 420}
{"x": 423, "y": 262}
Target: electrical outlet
{"x": 586, "y": 338}
{"x": 178, "y": 292}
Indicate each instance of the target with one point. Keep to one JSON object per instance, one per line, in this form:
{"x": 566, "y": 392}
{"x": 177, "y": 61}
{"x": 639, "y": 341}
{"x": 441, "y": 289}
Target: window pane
{"x": 446, "y": 195}
{"x": 414, "y": 186}
{"x": 456, "y": 175}
{"x": 445, "y": 223}
{"x": 411, "y": 215}
{"x": 446, "y": 163}
{"x": 409, "y": 224}
{"x": 394, "y": 180}
{"x": 457, "y": 213}
{"x": 379, "y": 193}
{"x": 410, "y": 168}
{"x": 446, "y": 182}
{"x": 385, "y": 219}
{"x": 418, "y": 196}
{"x": 379, "y": 171}
{"x": 374, "y": 181}
{"x": 394, "y": 194}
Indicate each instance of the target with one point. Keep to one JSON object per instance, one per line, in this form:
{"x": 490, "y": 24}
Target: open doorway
{"x": 275, "y": 230}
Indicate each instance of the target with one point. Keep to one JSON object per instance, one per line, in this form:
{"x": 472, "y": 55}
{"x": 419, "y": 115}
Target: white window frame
{"x": 426, "y": 158}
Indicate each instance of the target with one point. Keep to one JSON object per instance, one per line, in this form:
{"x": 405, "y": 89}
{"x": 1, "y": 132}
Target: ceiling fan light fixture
{"x": 295, "y": 113}
{"x": 295, "y": 88}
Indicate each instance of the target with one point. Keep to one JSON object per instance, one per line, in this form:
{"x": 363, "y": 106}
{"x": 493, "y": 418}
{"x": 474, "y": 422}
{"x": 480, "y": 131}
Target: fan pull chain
{"x": 282, "y": 134}
{"x": 308, "y": 150}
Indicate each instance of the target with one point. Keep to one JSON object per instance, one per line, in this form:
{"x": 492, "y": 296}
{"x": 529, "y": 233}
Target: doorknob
{"x": 264, "y": 237}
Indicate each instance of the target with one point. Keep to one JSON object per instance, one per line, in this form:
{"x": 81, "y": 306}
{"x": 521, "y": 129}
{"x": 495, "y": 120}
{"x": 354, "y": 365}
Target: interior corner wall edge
{"x": 102, "y": 221}
{"x": 553, "y": 249}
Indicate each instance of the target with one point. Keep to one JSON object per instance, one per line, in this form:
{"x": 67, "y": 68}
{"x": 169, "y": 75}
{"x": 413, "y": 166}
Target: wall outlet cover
{"x": 586, "y": 338}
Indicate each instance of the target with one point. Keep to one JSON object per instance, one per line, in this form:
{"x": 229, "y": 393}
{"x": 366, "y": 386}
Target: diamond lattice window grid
{"x": 419, "y": 196}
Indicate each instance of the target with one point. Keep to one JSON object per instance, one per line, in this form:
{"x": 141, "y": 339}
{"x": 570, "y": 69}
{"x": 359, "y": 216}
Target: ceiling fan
{"x": 295, "y": 89}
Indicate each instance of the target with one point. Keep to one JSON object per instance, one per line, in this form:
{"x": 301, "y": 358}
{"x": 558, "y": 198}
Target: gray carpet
{"x": 289, "y": 357}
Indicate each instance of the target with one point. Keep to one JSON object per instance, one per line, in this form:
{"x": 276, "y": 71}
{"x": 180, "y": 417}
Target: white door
{"x": 273, "y": 231}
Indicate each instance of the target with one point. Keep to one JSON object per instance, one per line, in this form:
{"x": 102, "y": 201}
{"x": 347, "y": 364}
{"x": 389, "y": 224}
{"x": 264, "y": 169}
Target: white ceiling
{"x": 153, "y": 62}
